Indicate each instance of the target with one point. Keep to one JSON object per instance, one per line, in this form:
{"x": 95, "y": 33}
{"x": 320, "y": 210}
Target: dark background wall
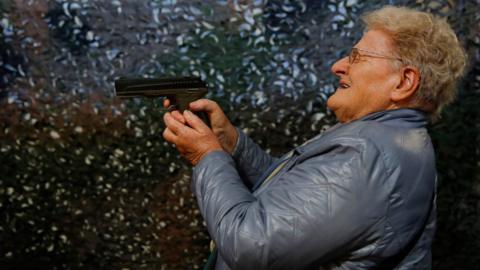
{"x": 86, "y": 180}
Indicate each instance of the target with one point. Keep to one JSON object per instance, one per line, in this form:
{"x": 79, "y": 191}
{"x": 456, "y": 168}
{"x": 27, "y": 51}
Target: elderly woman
{"x": 360, "y": 195}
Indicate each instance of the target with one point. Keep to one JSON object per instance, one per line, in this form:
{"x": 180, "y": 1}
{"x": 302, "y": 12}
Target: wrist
{"x": 232, "y": 140}
{"x": 206, "y": 153}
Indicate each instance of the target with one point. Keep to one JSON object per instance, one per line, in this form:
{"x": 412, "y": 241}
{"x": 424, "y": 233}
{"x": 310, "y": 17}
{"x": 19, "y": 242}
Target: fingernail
{"x": 188, "y": 112}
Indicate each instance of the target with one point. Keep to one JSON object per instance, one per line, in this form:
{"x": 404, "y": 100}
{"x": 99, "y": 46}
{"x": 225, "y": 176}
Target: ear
{"x": 407, "y": 86}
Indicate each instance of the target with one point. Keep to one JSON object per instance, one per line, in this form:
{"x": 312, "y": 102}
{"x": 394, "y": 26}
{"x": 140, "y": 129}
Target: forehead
{"x": 375, "y": 40}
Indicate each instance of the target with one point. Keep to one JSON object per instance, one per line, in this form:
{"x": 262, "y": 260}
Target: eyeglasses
{"x": 354, "y": 55}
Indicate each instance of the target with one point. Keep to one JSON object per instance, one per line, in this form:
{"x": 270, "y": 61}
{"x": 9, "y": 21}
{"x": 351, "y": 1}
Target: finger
{"x": 174, "y": 125}
{"x": 204, "y": 104}
{"x": 166, "y": 103}
{"x": 194, "y": 121}
{"x": 178, "y": 116}
{"x": 169, "y": 136}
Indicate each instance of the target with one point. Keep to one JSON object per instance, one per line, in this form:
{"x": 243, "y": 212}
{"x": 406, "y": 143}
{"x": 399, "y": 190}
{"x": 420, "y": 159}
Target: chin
{"x": 332, "y": 103}
{"x": 335, "y": 110}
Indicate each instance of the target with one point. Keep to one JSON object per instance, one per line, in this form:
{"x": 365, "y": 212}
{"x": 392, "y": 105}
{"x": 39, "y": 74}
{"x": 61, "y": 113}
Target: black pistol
{"x": 179, "y": 90}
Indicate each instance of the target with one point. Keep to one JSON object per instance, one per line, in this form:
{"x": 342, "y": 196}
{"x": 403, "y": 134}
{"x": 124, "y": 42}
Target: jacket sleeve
{"x": 316, "y": 211}
{"x": 251, "y": 160}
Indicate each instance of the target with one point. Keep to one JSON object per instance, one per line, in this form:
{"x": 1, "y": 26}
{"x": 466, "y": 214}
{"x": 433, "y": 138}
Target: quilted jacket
{"x": 360, "y": 195}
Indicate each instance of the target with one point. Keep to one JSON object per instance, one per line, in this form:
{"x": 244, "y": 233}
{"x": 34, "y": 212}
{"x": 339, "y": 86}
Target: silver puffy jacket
{"x": 358, "y": 196}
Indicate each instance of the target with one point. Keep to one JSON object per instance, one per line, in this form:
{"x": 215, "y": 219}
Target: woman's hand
{"x": 191, "y": 136}
{"x": 220, "y": 125}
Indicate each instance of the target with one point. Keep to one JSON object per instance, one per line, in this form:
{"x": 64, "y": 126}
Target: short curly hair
{"x": 427, "y": 42}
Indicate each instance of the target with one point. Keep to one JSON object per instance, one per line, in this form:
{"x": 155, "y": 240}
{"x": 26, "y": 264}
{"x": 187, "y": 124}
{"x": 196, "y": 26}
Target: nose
{"x": 340, "y": 67}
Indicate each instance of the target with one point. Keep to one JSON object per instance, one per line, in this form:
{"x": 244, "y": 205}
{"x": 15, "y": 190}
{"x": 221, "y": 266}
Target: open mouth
{"x": 343, "y": 85}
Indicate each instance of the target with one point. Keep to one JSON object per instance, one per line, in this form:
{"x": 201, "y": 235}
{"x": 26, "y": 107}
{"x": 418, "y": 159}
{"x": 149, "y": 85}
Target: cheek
{"x": 375, "y": 95}
{"x": 375, "y": 77}
{"x": 369, "y": 85}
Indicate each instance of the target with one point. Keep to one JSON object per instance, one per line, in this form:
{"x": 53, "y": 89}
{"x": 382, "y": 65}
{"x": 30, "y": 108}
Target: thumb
{"x": 194, "y": 121}
{"x": 203, "y": 105}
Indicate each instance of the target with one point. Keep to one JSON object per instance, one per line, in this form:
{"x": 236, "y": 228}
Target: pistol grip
{"x": 181, "y": 104}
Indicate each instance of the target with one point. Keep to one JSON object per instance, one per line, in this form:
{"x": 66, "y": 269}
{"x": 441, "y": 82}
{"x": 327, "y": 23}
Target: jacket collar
{"x": 406, "y": 118}
{"x": 409, "y": 118}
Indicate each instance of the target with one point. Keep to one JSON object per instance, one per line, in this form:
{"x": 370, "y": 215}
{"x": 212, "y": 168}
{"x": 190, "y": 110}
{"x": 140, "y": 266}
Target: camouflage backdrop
{"x": 86, "y": 180}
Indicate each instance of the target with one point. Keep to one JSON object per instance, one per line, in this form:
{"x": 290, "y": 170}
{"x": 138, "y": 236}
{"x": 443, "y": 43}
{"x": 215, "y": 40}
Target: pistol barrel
{"x": 125, "y": 88}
